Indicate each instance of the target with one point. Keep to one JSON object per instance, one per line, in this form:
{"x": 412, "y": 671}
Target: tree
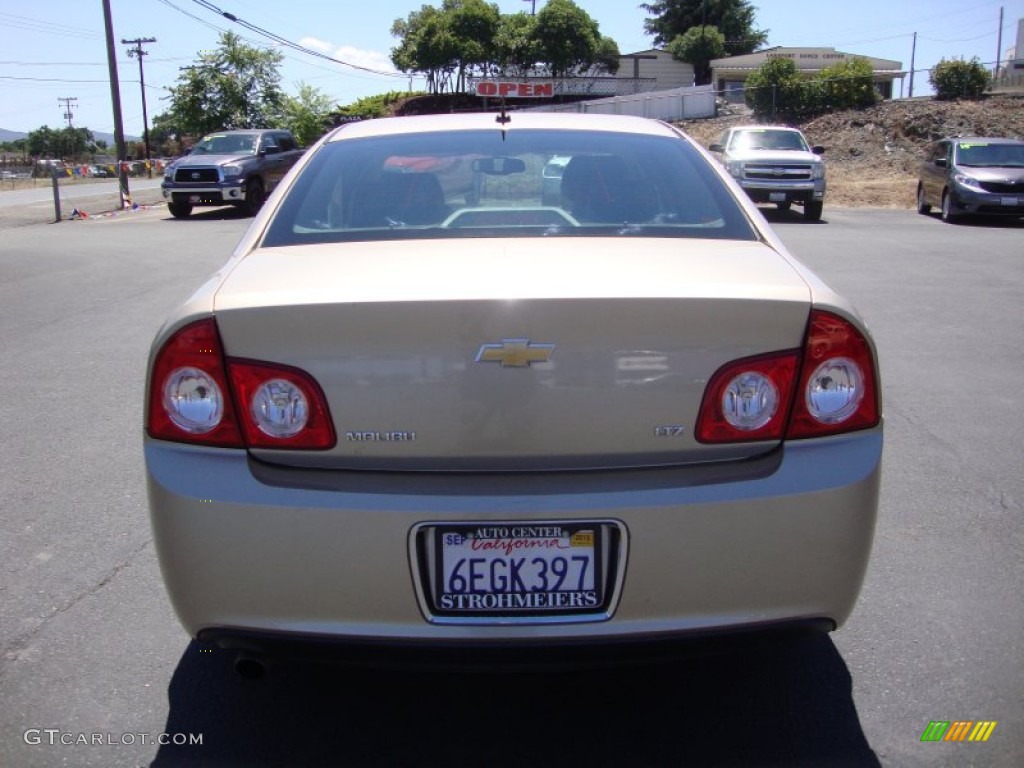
{"x": 608, "y": 56}
{"x": 474, "y": 25}
{"x": 426, "y": 45}
{"x": 699, "y": 46}
{"x": 165, "y": 134}
{"x": 515, "y": 44}
{"x": 568, "y": 38}
{"x": 16, "y": 147}
{"x": 848, "y": 84}
{"x": 471, "y": 37}
{"x": 733, "y": 18}
{"x": 958, "y": 79}
{"x": 63, "y": 143}
{"x": 306, "y": 115}
{"x": 775, "y": 89}
{"x": 42, "y": 142}
{"x": 234, "y": 86}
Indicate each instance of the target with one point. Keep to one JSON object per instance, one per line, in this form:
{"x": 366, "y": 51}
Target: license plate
{"x": 519, "y": 568}
{"x": 1009, "y": 201}
{"x": 777, "y": 197}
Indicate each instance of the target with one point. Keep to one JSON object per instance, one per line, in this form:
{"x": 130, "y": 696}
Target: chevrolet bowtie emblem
{"x": 515, "y": 353}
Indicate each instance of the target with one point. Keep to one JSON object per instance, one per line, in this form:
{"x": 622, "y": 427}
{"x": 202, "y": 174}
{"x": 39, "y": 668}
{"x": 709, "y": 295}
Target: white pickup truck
{"x": 775, "y": 164}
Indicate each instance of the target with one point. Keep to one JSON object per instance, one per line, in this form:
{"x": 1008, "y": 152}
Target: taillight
{"x": 194, "y": 393}
{"x": 838, "y": 389}
{"x": 748, "y": 399}
{"x": 189, "y": 398}
{"x": 828, "y": 388}
{"x": 284, "y": 407}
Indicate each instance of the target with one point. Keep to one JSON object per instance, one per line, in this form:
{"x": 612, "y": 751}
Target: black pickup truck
{"x": 237, "y": 168}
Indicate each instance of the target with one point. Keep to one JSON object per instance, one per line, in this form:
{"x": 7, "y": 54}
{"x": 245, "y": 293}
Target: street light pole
{"x": 533, "y": 9}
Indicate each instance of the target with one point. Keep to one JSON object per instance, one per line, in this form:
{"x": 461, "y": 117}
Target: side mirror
{"x": 940, "y": 162}
{"x": 716, "y": 148}
{"x": 271, "y": 149}
{"x": 818, "y": 149}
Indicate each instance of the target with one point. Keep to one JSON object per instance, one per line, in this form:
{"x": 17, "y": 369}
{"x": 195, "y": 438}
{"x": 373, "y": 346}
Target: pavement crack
{"x": 14, "y": 650}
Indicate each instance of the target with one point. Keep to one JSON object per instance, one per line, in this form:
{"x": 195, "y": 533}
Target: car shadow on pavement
{"x": 792, "y": 216}
{"x": 222, "y": 213}
{"x": 988, "y": 222}
{"x": 775, "y": 703}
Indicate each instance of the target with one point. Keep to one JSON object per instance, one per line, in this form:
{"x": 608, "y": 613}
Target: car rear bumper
{"x": 245, "y": 548}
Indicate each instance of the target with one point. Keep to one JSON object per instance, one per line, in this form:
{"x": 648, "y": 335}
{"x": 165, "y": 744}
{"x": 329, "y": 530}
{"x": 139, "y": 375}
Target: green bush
{"x": 777, "y": 90}
{"x": 848, "y": 84}
{"x": 958, "y": 79}
{"x": 375, "y": 106}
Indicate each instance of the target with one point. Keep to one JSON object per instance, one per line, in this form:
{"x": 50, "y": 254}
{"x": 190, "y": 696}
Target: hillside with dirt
{"x": 872, "y": 155}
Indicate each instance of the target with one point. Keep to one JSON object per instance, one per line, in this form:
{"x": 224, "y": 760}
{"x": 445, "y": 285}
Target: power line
{"x": 288, "y": 43}
{"x": 68, "y": 80}
{"x": 49, "y": 79}
{"x": 204, "y": 22}
{"x": 13, "y": 21}
{"x": 75, "y": 63}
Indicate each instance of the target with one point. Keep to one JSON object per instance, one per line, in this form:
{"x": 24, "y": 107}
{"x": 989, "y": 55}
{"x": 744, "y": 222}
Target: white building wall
{"x": 673, "y": 104}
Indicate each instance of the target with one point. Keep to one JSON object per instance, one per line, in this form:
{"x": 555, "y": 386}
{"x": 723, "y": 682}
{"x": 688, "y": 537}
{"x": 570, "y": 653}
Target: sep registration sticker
{"x": 519, "y": 568}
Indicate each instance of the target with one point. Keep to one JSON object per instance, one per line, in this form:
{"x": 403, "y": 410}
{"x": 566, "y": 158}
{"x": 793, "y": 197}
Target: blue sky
{"x": 56, "y": 48}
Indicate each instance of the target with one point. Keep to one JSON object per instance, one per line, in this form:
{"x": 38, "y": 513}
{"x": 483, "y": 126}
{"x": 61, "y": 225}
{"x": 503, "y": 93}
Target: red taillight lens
{"x": 748, "y": 399}
{"x": 192, "y": 398}
{"x": 284, "y": 407}
{"x": 838, "y": 389}
{"x": 829, "y": 388}
{"x": 189, "y": 398}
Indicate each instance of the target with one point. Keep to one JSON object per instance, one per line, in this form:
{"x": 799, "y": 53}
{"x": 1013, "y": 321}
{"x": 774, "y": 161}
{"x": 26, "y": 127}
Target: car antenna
{"x": 503, "y": 118}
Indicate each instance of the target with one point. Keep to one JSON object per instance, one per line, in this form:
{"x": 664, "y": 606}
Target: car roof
{"x": 476, "y": 121}
{"x": 983, "y": 139}
{"x": 764, "y": 128}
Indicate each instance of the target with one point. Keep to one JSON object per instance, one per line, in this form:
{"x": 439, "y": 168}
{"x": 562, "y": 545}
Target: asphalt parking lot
{"x": 94, "y": 667}
{"x": 27, "y": 205}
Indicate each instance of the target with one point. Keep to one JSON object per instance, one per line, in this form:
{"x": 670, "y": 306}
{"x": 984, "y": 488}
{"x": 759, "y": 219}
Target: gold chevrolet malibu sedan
{"x": 439, "y": 398}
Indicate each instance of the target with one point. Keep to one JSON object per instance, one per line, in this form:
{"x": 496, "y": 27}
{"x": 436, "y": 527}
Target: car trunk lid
{"x": 518, "y": 354}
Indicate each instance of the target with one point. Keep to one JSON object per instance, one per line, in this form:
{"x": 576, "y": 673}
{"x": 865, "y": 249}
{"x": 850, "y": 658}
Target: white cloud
{"x": 380, "y": 62}
{"x": 316, "y": 45}
{"x": 375, "y": 60}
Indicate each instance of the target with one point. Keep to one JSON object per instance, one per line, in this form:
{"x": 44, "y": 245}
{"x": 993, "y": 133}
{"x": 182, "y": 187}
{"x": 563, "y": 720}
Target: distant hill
{"x": 6, "y": 135}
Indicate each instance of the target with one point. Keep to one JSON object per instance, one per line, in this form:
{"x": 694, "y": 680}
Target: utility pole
{"x": 533, "y": 9}
{"x": 67, "y": 102}
{"x": 999, "y": 46}
{"x": 913, "y": 51}
{"x": 115, "y": 97}
{"x": 137, "y": 51}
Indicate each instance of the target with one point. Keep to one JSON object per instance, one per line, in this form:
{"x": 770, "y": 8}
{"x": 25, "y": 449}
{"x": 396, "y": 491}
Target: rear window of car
{"x": 521, "y": 183}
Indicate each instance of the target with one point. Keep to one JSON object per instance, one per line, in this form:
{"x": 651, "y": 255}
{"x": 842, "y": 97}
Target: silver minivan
{"x": 972, "y": 175}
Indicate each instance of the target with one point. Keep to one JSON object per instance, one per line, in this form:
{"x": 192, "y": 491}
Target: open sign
{"x": 508, "y": 89}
